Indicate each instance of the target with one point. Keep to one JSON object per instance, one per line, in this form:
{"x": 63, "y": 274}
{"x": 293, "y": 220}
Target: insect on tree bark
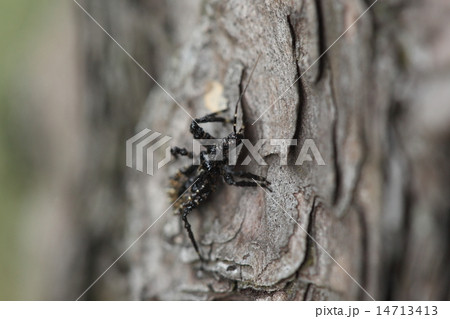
{"x": 370, "y": 95}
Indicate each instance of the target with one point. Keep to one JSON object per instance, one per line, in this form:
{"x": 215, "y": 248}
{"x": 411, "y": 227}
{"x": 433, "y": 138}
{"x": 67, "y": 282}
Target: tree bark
{"x": 372, "y": 96}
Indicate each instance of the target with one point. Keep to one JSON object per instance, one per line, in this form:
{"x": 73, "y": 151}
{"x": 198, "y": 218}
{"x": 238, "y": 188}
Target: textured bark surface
{"x": 376, "y": 105}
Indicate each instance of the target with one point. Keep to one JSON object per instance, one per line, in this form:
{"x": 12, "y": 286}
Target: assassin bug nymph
{"x": 195, "y": 183}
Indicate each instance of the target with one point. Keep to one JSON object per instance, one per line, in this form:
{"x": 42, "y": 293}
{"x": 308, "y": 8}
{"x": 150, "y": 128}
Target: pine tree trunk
{"x": 375, "y": 103}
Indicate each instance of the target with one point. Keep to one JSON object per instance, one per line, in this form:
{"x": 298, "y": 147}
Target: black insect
{"x": 195, "y": 183}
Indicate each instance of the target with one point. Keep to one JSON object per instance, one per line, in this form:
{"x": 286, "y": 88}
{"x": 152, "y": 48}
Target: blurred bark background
{"x": 376, "y": 105}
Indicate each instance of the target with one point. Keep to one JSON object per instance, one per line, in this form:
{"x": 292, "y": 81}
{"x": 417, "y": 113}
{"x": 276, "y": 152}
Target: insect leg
{"x": 250, "y": 175}
{"x": 213, "y": 117}
{"x": 198, "y": 132}
{"x": 175, "y": 151}
{"x": 187, "y": 225}
{"x": 228, "y": 178}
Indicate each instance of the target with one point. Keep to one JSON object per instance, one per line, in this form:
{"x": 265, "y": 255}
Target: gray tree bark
{"x": 375, "y": 104}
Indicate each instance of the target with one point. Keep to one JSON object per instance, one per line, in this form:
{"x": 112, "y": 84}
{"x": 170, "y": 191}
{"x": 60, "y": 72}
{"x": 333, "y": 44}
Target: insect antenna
{"x": 242, "y": 94}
